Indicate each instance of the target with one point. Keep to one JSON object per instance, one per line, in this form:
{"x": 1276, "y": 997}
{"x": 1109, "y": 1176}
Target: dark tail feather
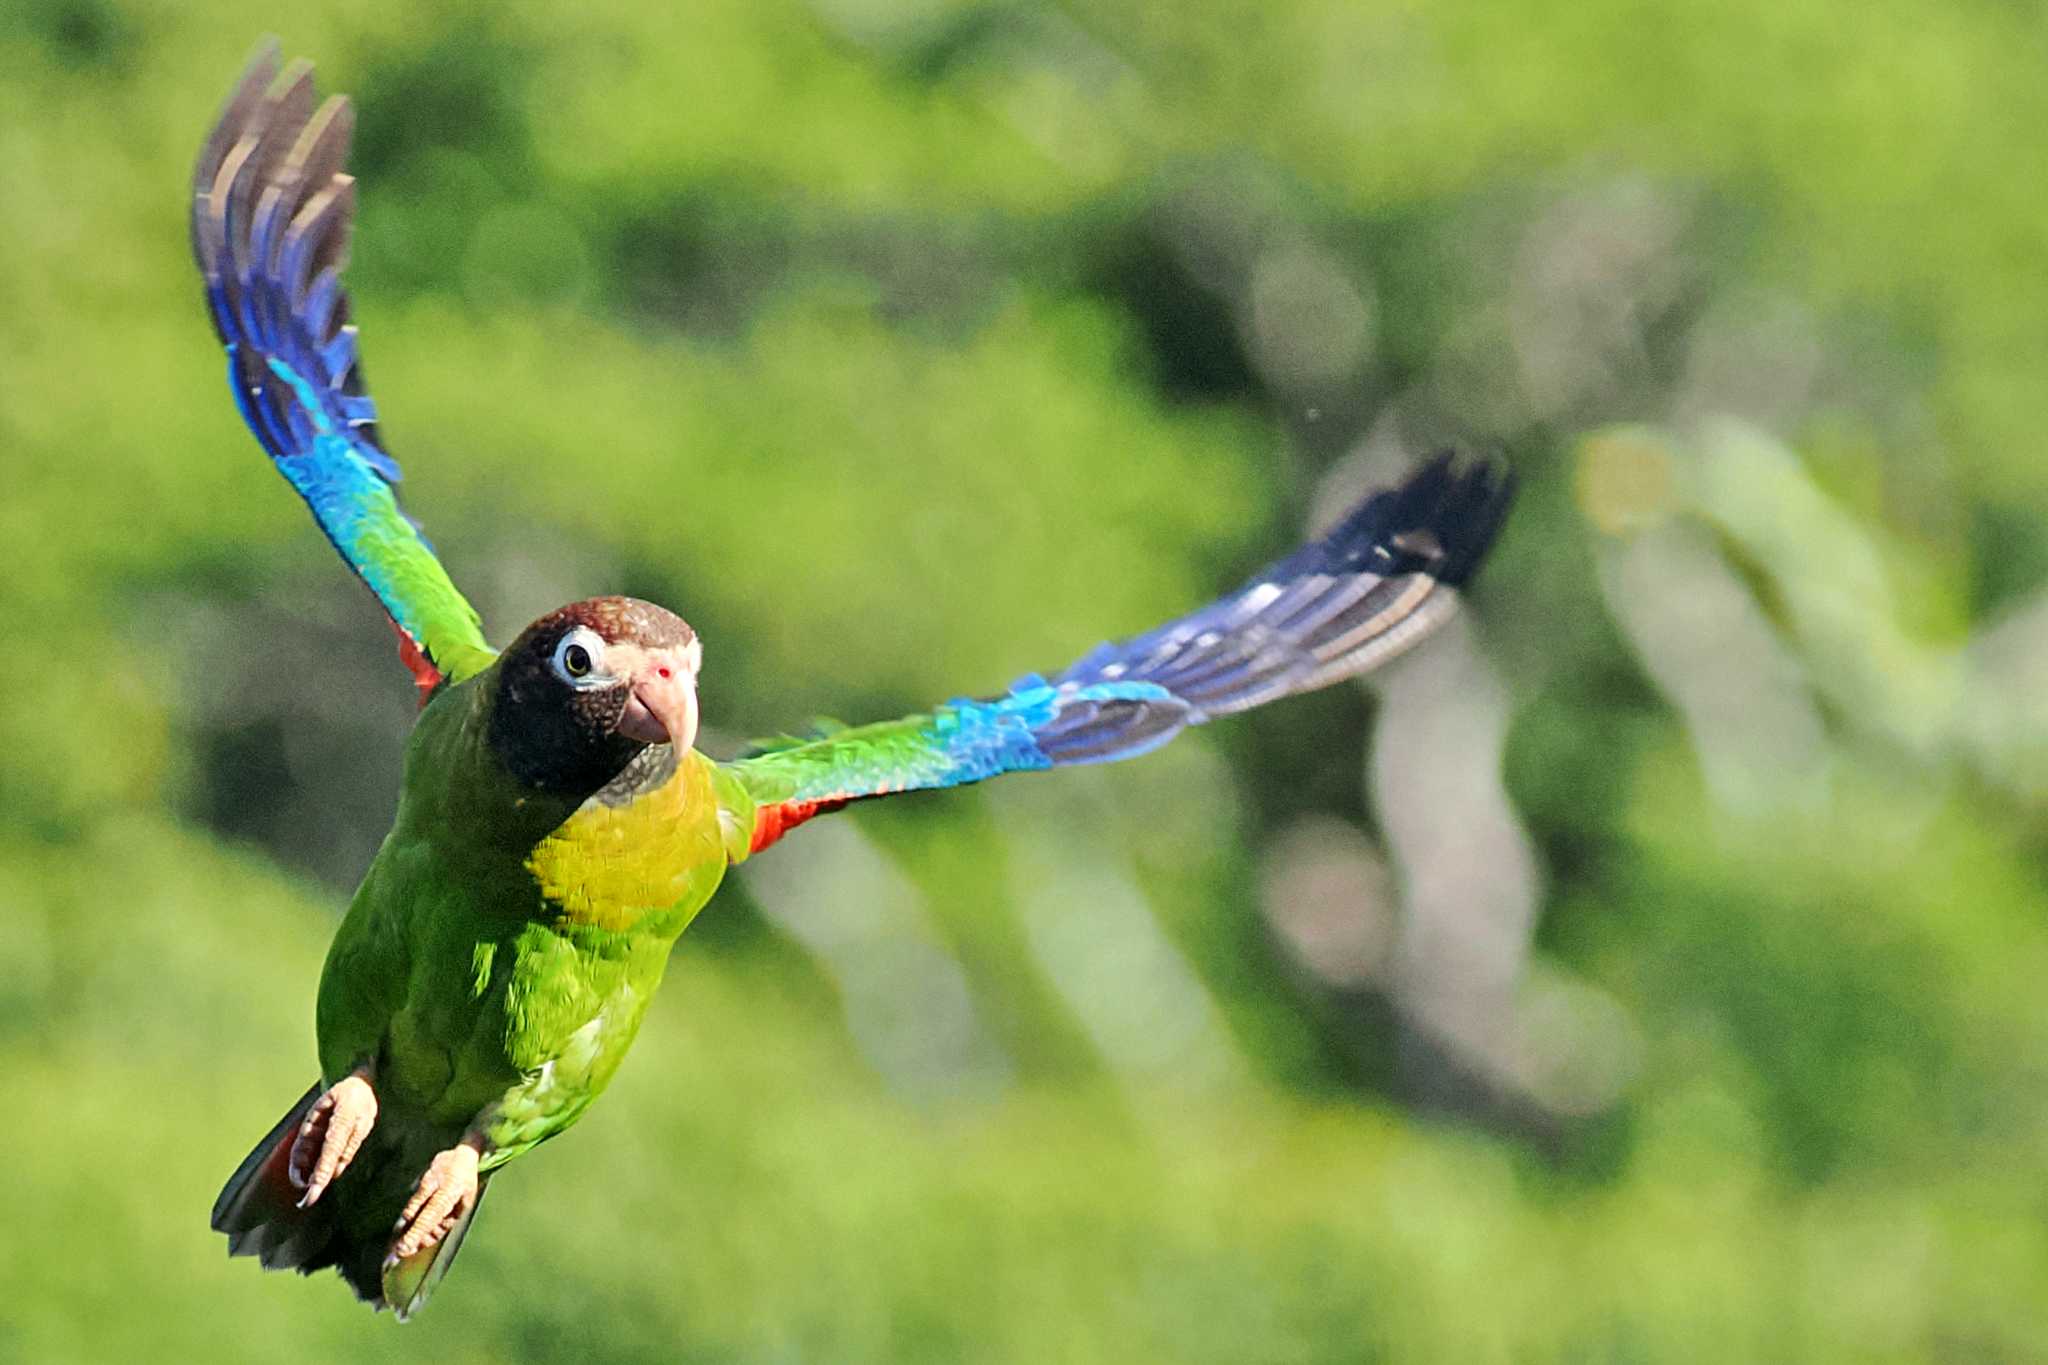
{"x": 349, "y": 1229}
{"x": 407, "y": 1284}
{"x": 259, "y": 1209}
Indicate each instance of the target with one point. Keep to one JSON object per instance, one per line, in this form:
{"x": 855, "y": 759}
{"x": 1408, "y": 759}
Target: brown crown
{"x": 617, "y": 620}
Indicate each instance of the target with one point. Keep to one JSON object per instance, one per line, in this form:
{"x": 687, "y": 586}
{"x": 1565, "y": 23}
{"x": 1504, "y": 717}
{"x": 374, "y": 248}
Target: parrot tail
{"x": 259, "y": 1209}
{"x": 349, "y": 1229}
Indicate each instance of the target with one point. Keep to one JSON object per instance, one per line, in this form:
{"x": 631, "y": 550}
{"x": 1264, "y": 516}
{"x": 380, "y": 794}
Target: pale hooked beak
{"x": 663, "y": 707}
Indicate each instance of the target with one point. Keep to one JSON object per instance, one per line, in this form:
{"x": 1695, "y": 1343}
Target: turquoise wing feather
{"x": 271, "y": 214}
{"x": 1373, "y": 586}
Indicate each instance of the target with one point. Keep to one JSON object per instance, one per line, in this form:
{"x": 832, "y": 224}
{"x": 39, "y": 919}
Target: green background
{"x": 1651, "y": 969}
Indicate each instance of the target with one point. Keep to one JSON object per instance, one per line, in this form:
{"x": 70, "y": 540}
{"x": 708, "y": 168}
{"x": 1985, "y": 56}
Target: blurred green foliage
{"x": 907, "y": 346}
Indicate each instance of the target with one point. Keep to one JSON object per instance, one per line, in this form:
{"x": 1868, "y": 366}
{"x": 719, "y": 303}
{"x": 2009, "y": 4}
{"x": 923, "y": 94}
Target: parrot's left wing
{"x": 271, "y": 212}
{"x": 1378, "y": 582}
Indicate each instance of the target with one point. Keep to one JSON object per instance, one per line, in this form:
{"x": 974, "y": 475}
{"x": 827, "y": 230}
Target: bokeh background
{"x": 1650, "y": 969}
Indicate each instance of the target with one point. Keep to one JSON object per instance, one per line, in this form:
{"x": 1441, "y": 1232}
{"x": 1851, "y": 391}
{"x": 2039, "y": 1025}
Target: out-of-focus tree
{"x": 1649, "y": 969}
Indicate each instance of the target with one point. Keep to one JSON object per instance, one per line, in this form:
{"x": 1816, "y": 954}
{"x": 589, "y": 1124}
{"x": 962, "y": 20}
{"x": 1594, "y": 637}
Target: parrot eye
{"x": 576, "y": 658}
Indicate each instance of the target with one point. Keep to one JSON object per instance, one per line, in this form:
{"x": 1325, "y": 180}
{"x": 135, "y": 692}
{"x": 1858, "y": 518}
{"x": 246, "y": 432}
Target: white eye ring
{"x": 578, "y": 659}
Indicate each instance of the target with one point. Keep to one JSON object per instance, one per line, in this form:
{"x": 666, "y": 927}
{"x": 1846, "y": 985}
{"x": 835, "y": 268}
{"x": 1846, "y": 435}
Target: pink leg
{"x": 445, "y": 1192}
{"x": 333, "y": 1130}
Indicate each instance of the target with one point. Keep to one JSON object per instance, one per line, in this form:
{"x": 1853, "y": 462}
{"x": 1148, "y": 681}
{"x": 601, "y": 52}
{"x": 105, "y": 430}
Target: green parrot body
{"x": 501, "y": 948}
{"x": 498, "y": 958}
{"x": 557, "y": 830}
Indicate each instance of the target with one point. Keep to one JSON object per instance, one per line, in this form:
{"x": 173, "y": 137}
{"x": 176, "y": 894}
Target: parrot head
{"x": 585, "y": 690}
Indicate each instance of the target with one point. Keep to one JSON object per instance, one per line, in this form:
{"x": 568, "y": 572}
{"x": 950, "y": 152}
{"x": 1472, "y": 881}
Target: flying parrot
{"x": 556, "y": 829}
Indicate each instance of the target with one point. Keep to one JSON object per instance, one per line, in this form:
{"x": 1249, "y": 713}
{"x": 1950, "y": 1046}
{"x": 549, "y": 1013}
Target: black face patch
{"x": 564, "y": 740}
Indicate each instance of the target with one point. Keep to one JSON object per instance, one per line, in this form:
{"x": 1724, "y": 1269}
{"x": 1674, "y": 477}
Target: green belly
{"x": 505, "y": 998}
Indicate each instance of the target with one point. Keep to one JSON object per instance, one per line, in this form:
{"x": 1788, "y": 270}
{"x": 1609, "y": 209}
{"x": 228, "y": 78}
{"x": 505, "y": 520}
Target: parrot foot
{"x": 334, "y": 1128}
{"x": 445, "y": 1193}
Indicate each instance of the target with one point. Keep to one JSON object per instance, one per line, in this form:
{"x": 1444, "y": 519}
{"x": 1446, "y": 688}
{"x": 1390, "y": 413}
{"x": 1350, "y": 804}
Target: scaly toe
{"x": 444, "y": 1193}
{"x": 331, "y": 1135}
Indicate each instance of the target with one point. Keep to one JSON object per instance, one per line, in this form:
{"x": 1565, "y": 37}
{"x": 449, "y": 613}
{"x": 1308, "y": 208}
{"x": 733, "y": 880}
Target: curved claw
{"x": 330, "y": 1136}
{"x": 444, "y": 1194}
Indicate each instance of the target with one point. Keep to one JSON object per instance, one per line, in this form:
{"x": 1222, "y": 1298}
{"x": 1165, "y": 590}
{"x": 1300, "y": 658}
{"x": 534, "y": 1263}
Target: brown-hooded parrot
{"x": 556, "y": 830}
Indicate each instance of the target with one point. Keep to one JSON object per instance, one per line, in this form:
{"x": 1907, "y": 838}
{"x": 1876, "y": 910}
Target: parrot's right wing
{"x": 1378, "y": 582}
{"x": 271, "y": 212}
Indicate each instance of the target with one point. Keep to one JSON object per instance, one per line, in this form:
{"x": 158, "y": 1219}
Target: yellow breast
{"x": 609, "y": 866}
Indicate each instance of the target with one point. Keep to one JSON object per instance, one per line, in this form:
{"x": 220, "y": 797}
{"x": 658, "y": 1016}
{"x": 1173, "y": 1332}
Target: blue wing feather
{"x": 271, "y": 215}
{"x": 1372, "y": 586}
